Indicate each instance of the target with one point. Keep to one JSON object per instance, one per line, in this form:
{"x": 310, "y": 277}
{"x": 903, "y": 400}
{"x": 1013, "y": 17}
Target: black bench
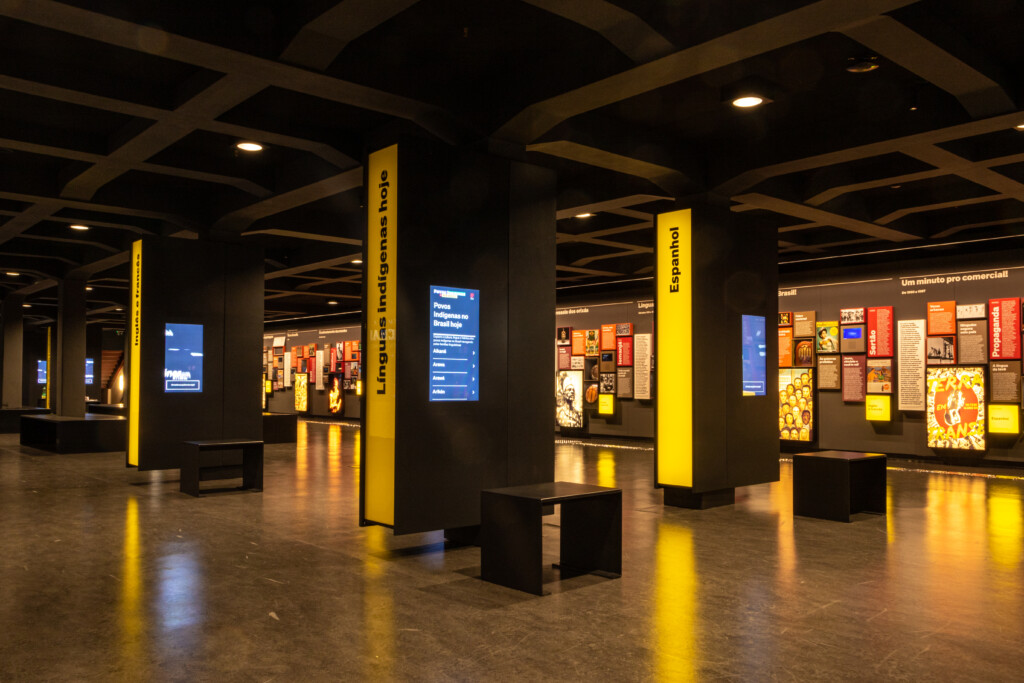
{"x": 62, "y": 434}
{"x": 193, "y": 469}
{"x": 836, "y": 484}
{"x": 511, "y": 540}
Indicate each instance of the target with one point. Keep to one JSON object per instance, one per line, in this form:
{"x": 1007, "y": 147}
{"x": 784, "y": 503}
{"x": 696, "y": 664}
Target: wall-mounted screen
{"x": 754, "y": 348}
{"x": 89, "y": 365}
{"x": 183, "y": 358}
{"x": 454, "y": 344}
{"x": 40, "y": 372}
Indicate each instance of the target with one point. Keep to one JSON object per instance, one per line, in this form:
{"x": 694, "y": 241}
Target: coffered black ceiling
{"x": 123, "y": 115}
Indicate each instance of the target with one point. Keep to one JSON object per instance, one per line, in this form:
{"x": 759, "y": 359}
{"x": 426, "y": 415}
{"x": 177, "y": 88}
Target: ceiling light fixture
{"x": 862, "y": 66}
{"x": 357, "y": 261}
{"x": 913, "y": 109}
{"x": 12, "y": 273}
{"x": 1019, "y": 126}
{"x": 747, "y": 101}
{"x": 119, "y": 309}
{"x": 26, "y": 305}
{"x": 88, "y": 289}
{"x": 332, "y": 302}
{"x": 78, "y": 226}
{"x": 250, "y": 146}
{"x": 584, "y": 215}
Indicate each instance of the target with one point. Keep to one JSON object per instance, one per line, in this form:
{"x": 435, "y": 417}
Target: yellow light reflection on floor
{"x": 606, "y": 469}
{"x": 675, "y": 600}
{"x": 781, "y": 497}
{"x": 301, "y": 458}
{"x": 1005, "y": 525}
{"x": 334, "y": 460}
{"x": 378, "y": 608}
{"x": 129, "y": 607}
{"x": 890, "y": 518}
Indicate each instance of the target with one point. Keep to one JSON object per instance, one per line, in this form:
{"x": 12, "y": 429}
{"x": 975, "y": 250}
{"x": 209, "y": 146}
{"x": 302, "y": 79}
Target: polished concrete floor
{"x": 108, "y": 575}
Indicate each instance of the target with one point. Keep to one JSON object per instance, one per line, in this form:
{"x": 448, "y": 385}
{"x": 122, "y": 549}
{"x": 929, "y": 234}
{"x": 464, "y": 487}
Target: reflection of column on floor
{"x": 14, "y": 341}
{"x": 675, "y": 605}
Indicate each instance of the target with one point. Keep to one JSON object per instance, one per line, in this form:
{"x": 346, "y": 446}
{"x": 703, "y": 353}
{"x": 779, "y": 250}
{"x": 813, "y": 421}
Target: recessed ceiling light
{"x": 895, "y": 187}
{"x": 913, "y": 109}
{"x": 584, "y": 215}
{"x": 861, "y": 66}
{"x": 26, "y": 305}
{"x": 12, "y": 273}
{"x": 88, "y": 289}
{"x": 747, "y": 101}
{"x": 357, "y": 261}
{"x": 118, "y": 309}
{"x": 78, "y": 226}
{"x": 332, "y": 302}
{"x": 250, "y": 146}
{"x": 1019, "y": 126}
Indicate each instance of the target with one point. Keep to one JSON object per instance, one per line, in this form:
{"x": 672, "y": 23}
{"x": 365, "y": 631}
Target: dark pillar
{"x": 14, "y": 334}
{"x": 68, "y": 378}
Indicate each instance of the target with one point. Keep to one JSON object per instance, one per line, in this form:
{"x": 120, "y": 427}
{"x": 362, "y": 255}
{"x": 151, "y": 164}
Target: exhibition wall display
{"x": 933, "y": 366}
{"x": 330, "y": 353}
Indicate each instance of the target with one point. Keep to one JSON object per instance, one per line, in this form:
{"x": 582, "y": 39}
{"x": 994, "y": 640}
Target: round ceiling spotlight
{"x": 26, "y": 305}
{"x": 862, "y": 66}
{"x": 12, "y": 273}
{"x": 332, "y": 302}
{"x": 249, "y": 146}
{"x": 78, "y": 226}
{"x": 584, "y": 215}
{"x": 747, "y": 101}
{"x": 1019, "y": 126}
{"x": 88, "y": 289}
{"x": 357, "y": 261}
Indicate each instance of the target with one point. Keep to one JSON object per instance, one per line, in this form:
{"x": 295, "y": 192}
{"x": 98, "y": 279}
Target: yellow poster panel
{"x": 606, "y": 404}
{"x": 135, "y": 366}
{"x": 877, "y": 408}
{"x": 674, "y": 348}
{"x": 381, "y": 316}
{"x": 1003, "y": 419}
{"x": 796, "y": 404}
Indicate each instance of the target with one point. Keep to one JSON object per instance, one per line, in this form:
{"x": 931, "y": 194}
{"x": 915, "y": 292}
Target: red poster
{"x": 295, "y": 356}
{"x": 1004, "y": 328}
{"x": 579, "y": 346}
{"x": 624, "y": 352}
{"x": 785, "y": 347}
{"x": 607, "y": 337}
{"x": 564, "y": 358}
{"x": 334, "y": 359}
{"x": 880, "y": 332}
{"x": 941, "y": 317}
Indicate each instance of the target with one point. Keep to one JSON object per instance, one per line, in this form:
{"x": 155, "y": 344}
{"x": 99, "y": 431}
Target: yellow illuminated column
{"x": 135, "y": 343}
{"x": 49, "y": 365}
{"x": 381, "y": 329}
{"x": 674, "y": 349}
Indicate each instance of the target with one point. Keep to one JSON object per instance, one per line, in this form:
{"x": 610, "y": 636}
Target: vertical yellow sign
{"x": 381, "y": 329}
{"x": 135, "y": 366}
{"x": 674, "y": 349}
{"x": 49, "y": 366}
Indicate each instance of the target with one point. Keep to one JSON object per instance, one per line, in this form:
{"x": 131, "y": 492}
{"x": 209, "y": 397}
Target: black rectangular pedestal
{"x": 10, "y": 418}
{"x": 511, "y": 548}
{"x": 280, "y": 427}
{"x": 836, "y": 484}
{"x": 89, "y": 434}
{"x": 682, "y": 497}
{"x": 107, "y": 409}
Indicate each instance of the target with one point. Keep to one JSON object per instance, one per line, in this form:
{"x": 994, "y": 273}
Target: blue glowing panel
{"x": 183, "y": 358}
{"x": 454, "y": 344}
{"x": 853, "y": 332}
{"x": 755, "y": 367}
{"x": 40, "y": 372}
{"x": 88, "y": 370}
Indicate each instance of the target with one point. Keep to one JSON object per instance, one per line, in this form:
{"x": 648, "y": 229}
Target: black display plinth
{"x": 280, "y": 427}
{"x": 107, "y": 409}
{"x": 61, "y": 434}
{"x": 10, "y": 418}
{"x": 682, "y": 497}
{"x": 836, "y": 484}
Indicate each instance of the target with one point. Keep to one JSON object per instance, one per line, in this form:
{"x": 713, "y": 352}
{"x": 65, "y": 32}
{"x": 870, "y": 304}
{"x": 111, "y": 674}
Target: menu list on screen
{"x": 454, "y": 344}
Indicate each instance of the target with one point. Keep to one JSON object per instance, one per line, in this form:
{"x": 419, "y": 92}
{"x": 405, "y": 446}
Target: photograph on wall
{"x": 796, "y": 404}
{"x": 624, "y": 351}
{"x": 593, "y": 342}
{"x": 851, "y": 316}
{"x": 608, "y": 337}
{"x": 563, "y": 336}
{"x": 579, "y": 343}
{"x": 803, "y": 353}
{"x": 623, "y": 329}
{"x": 1004, "y": 328}
{"x": 803, "y": 323}
{"x": 577, "y": 362}
{"x": 941, "y": 318}
{"x": 879, "y": 379}
{"x": 785, "y": 319}
{"x": 971, "y": 312}
{"x": 624, "y": 383}
{"x": 607, "y": 383}
{"x": 336, "y": 397}
{"x": 564, "y": 358}
{"x": 591, "y": 370}
{"x": 879, "y": 332}
{"x": 569, "y": 399}
{"x": 301, "y": 381}
{"x": 851, "y": 339}
{"x": 607, "y": 361}
{"x": 956, "y": 408}
{"x": 826, "y": 337}
{"x": 829, "y": 378}
{"x": 972, "y": 341}
{"x": 1004, "y": 378}
{"x": 785, "y": 347}
{"x": 941, "y": 350}
{"x": 854, "y": 378}
{"x": 590, "y": 394}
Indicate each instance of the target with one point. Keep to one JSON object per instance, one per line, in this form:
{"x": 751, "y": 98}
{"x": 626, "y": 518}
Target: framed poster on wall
{"x": 956, "y": 408}
{"x": 851, "y": 316}
{"x": 623, "y": 329}
{"x": 624, "y": 383}
{"x": 785, "y": 347}
{"x": 1004, "y": 328}
{"x": 301, "y": 392}
{"x": 786, "y": 319}
{"x": 942, "y": 350}
{"x": 972, "y": 341}
{"x": 854, "y": 376}
{"x": 878, "y": 408}
{"x": 564, "y": 358}
{"x": 1005, "y": 376}
{"x": 803, "y": 323}
{"x": 624, "y": 351}
{"x": 971, "y": 312}
{"x": 590, "y": 394}
{"x": 829, "y": 378}
{"x": 826, "y": 336}
{"x": 592, "y": 342}
{"x": 642, "y": 366}
{"x": 607, "y": 385}
{"x": 941, "y": 318}
{"x": 563, "y": 336}
{"x": 569, "y": 399}
{"x": 577, "y": 362}
{"x": 796, "y": 404}
{"x": 1003, "y": 419}
{"x": 851, "y": 339}
{"x": 607, "y": 337}
{"x": 911, "y": 365}
{"x": 803, "y": 353}
{"x": 879, "y": 375}
{"x": 879, "y": 330}
{"x": 579, "y": 343}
